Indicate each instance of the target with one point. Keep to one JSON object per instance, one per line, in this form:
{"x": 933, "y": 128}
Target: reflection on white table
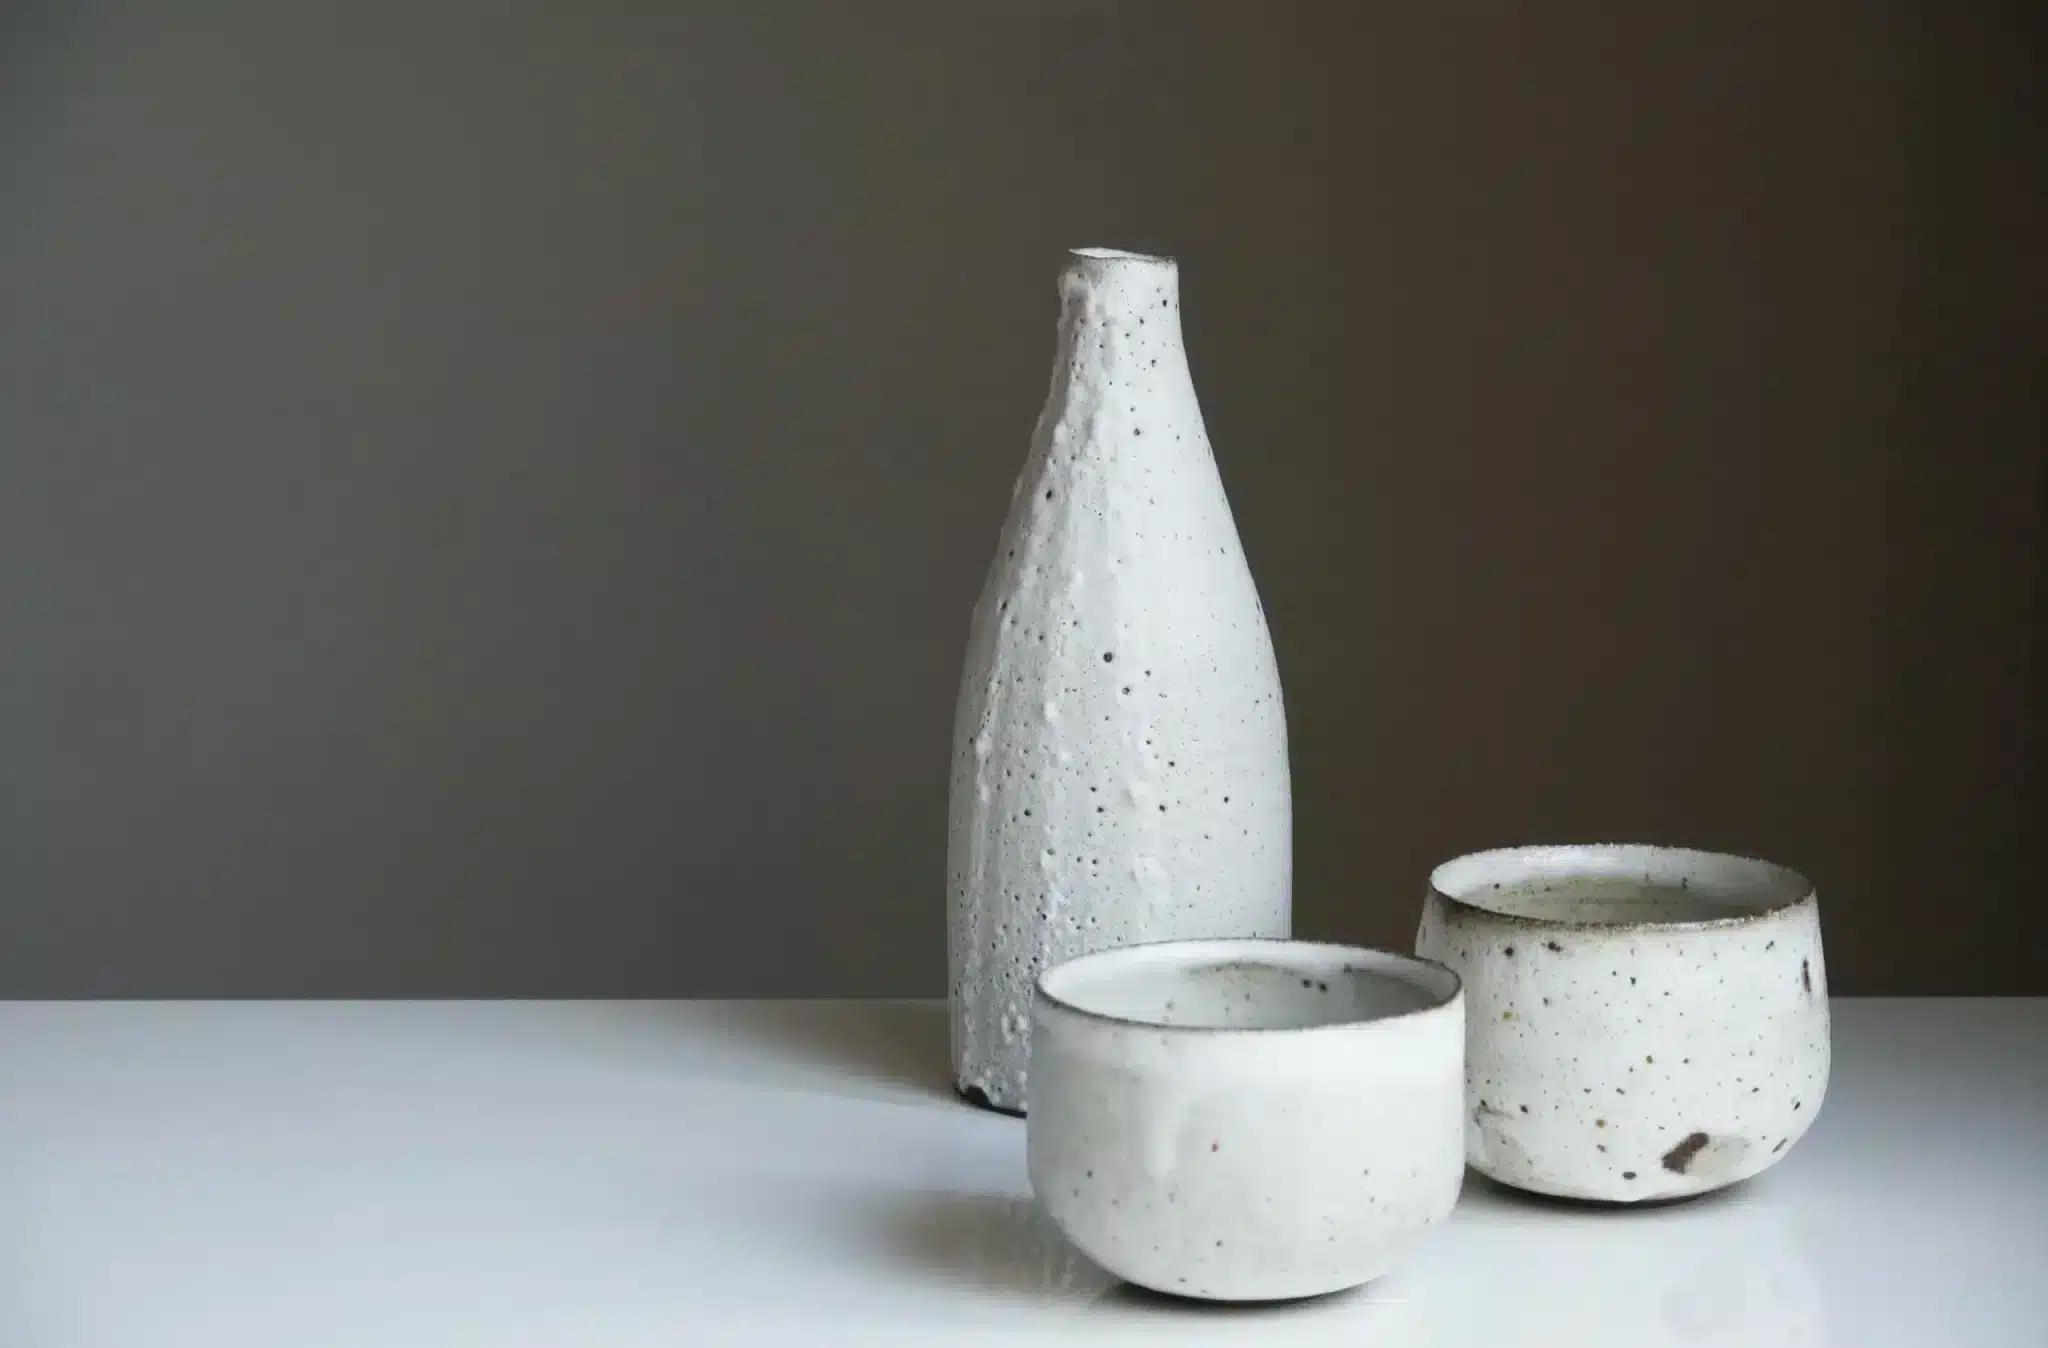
{"x": 591, "y": 1174}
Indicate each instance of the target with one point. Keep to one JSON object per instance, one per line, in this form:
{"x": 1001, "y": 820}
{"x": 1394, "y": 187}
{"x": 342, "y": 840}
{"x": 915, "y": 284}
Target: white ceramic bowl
{"x": 1246, "y": 1120}
{"x": 1643, "y": 1022}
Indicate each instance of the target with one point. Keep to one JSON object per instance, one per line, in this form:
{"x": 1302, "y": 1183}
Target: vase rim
{"x": 1121, "y": 255}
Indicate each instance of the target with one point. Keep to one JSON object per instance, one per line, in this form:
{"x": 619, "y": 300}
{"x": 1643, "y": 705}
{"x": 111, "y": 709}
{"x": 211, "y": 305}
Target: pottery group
{"x": 1214, "y": 1110}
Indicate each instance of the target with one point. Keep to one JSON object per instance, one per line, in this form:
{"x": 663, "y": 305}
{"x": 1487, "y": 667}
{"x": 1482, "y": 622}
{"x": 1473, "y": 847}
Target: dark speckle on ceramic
{"x": 1662, "y": 1014}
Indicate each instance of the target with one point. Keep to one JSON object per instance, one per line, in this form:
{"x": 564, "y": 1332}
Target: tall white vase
{"x": 1119, "y": 747}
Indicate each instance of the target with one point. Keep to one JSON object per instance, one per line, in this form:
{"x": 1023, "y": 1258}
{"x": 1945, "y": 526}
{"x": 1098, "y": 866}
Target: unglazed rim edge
{"x": 1804, "y": 892}
{"x": 1435, "y": 1006}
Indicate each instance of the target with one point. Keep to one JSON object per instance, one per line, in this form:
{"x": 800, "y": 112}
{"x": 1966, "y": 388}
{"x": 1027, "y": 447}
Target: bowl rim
{"x": 1793, "y": 889}
{"x": 1333, "y": 953}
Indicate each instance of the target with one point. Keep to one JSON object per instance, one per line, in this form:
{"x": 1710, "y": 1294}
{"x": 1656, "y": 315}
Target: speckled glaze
{"x": 1119, "y": 749}
{"x": 1626, "y": 1049}
{"x": 1247, "y": 1120}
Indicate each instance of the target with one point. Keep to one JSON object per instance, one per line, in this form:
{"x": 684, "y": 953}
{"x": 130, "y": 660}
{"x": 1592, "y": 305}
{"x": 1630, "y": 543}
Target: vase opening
{"x": 1121, "y": 255}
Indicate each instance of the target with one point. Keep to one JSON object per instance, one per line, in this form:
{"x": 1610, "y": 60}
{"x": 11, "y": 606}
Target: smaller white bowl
{"x": 1247, "y": 1120}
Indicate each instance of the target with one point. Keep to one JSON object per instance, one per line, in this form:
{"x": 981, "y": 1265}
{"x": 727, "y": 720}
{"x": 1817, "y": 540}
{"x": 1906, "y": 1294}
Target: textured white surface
{"x": 590, "y": 1175}
{"x": 1119, "y": 752}
{"x": 1276, "y": 1119}
{"x": 1626, "y": 1061}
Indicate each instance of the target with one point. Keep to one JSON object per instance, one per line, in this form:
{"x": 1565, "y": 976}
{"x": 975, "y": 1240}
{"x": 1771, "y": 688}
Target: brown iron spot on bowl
{"x": 1680, "y": 1157}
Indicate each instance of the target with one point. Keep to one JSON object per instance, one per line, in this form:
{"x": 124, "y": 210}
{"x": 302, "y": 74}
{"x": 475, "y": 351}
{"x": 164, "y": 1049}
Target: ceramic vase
{"x": 1119, "y": 760}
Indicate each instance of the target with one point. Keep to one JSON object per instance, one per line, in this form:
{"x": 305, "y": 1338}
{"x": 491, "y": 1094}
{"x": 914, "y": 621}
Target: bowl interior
{"x": 1619, "y": 884}
{"x": 1247, "y": 985}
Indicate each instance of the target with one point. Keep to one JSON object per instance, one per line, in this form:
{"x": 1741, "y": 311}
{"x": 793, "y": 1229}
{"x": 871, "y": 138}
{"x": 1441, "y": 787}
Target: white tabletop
{"x": 288, "y": 1175}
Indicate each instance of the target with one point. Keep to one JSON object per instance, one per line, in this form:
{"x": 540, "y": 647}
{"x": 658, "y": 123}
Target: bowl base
{"x": 1529, "y": 1194}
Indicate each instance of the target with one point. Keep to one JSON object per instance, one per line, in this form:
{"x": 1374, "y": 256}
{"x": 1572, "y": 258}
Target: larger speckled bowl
{"x": 1643, "y": 1022}
{"x": 1246, "y": 1120}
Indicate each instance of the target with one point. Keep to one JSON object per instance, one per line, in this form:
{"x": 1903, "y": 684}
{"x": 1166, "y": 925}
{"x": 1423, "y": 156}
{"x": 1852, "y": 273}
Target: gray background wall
{"x": 490, "y": 493}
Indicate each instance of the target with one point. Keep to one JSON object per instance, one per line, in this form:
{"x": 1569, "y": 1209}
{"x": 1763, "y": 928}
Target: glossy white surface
{"x": 1119, "y": 748}
{"x": 589, "y": 1175}
{"x": 1247, "y": 1120}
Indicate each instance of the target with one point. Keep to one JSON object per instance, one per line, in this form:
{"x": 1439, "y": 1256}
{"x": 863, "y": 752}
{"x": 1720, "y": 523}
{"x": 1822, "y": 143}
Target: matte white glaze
{"x": 1247, "y": 1120}
{"x": 1119, "y": 752}
{"x": 1636, "y": 1056}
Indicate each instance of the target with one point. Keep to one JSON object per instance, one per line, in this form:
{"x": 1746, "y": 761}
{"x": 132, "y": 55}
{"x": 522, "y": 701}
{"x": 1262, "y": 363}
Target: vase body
{"x": 1119, "y": 759}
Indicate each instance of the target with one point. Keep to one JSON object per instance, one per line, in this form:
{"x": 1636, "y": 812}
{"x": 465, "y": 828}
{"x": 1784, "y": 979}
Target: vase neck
{"x": 1102, "y": 286}
{"x": 1121, "y": 389}
{"x": 1119, "y": 330}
